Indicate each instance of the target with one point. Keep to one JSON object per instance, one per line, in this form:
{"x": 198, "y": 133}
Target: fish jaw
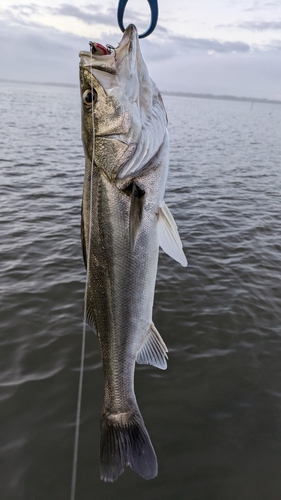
{"x": 128, "y": 121}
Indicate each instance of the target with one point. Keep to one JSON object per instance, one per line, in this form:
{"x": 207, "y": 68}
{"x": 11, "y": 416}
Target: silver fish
{"x": 124, "y": 220}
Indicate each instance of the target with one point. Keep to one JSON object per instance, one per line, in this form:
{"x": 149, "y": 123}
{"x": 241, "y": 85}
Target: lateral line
{"x": 80, "y": 385}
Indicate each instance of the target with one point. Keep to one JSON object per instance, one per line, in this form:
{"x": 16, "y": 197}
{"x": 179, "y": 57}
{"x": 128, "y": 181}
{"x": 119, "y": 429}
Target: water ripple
{"x": 217, "y": 407}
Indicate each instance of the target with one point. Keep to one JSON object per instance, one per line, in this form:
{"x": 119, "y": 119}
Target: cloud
{"x": 25, "y": 8}
{"x": 261, "y": 26}
{"x": 261, "y": 6}
{"x": 251, "y": 74}
{"x": 37, "y": 52}
{"x": 180, "y": 46}
{"x": 275, "y": 45}
{"x": 90, "y": 15}
{"x": 208, "y": 44}
{"x": 107, "y": 17}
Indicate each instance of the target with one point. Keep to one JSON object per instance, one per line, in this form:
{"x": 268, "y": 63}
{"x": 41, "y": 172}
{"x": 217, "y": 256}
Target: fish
{"x": 124, "y": 220}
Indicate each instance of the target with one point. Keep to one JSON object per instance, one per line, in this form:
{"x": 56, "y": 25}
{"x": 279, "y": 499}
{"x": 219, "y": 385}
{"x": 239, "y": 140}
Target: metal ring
{"x": 111, "y": 49}
{"x": 154, "y": 16}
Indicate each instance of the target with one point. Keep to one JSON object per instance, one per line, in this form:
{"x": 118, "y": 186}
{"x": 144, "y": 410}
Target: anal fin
{"x": 153, "y": 350}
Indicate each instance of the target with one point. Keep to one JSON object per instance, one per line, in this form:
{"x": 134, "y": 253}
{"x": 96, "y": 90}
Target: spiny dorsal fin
{"x": 169, "y": 238}
{"x": 153, "y": 350}
{"x": 137, "y": 199}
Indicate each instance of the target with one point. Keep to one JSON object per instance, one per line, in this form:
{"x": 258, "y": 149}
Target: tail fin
{"x": 125, "y": 441}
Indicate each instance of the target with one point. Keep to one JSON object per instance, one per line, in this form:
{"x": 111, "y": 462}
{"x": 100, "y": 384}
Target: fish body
{"x": 124, "y": 219}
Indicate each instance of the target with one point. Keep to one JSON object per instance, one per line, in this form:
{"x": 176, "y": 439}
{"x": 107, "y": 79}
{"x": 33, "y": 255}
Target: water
{"x": 215, "y": 415}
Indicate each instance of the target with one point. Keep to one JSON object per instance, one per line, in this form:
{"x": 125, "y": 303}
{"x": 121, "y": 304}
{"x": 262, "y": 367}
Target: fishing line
{"x": 80, "y": 386}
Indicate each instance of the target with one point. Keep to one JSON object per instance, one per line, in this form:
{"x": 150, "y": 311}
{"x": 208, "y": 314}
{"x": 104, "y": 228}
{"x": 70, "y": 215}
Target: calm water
{"x": 215, "y": 415}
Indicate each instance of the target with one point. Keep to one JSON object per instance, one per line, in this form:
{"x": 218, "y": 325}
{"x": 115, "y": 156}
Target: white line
{"x": 79, "y": 399}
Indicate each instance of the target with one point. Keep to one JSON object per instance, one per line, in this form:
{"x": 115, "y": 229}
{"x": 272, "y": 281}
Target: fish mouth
{"x": 129, "y": 39}
{"x": 110, "y": 62}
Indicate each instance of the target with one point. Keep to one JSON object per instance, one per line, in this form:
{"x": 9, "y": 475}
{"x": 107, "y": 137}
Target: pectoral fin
{"x": 169, "y": 238}
{"x": 137, "y": 200}
{"x": 153, "y": 350}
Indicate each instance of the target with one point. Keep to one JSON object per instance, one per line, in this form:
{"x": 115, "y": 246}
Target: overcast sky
{"x": 210, "y": 46}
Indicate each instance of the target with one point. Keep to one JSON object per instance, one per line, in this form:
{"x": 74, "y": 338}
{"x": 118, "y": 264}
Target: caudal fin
{"x": 125, "y": 441}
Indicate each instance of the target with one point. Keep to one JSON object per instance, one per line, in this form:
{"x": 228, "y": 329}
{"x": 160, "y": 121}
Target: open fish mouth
{"x": 108, "y": 58}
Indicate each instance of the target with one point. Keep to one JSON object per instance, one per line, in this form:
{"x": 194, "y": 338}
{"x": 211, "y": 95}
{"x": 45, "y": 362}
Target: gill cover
{"x": 129, "y": 116}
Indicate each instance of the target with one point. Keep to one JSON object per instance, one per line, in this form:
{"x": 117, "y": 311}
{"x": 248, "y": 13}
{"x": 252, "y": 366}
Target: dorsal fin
{"x": 153, "y": 350}
{"x": 169, "y": 238}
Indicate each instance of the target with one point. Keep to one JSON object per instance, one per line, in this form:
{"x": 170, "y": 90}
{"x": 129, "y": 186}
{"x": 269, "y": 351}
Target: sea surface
{"x": 214, "y": 416}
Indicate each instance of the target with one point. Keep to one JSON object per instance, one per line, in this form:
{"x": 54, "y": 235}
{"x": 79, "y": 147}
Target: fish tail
{"x": 125, "y": 442}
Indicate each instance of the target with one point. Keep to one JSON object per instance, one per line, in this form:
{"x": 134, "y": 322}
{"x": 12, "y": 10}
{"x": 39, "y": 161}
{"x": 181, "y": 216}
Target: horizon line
{"x": 224, "y": 97}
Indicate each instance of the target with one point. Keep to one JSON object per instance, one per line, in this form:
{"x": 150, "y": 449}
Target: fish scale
{"x": 129, "y": 172}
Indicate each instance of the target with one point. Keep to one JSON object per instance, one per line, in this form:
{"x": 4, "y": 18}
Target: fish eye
{"x": 90, "y": 97}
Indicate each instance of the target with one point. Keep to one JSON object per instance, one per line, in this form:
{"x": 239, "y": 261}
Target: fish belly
{"x": 120, "y": 293}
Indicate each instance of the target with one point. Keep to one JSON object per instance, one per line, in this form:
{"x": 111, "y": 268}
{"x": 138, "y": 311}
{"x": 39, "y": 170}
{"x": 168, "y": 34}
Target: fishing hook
{"x": 154, "y": 16}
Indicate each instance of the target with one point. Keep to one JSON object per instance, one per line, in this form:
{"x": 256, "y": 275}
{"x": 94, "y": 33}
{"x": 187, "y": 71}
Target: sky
{"x": 221, "y": 47}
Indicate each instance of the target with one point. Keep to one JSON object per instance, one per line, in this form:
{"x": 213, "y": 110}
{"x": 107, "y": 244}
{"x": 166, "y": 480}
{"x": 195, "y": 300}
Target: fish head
{"x": 118, "y": 98}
